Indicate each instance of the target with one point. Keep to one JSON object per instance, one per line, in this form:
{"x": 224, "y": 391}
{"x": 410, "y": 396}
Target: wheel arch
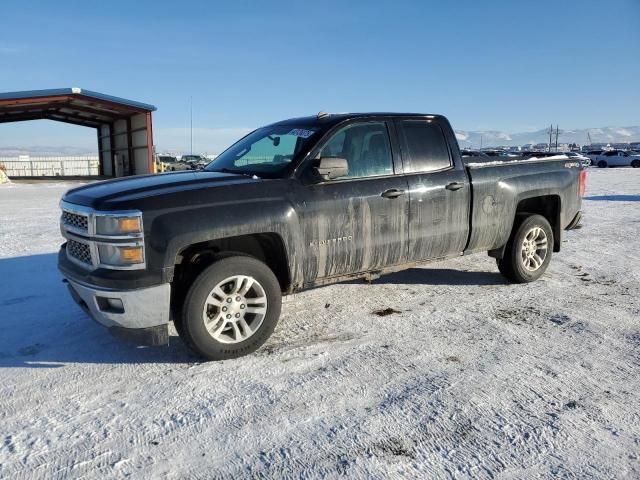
{"x": 192, "y": 259}
{"x": 549, "y": 206}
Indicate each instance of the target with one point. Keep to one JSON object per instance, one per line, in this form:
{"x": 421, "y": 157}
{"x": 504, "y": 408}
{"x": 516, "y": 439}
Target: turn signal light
{"x": 129, "y": 225}
{"x": 131, "y": 254}
{"x": 112, "y": 225}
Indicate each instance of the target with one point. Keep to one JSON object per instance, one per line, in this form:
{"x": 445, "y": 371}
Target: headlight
{"x": 120, "y": 256}
{"x": 114, "y": 225}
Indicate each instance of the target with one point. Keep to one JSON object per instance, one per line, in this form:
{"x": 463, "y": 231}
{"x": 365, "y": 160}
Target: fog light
{"x": 115, "y": 304}
{"x": 110, "y": 305}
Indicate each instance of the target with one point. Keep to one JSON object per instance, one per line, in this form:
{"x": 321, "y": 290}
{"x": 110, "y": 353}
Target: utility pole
{"x": 550, "y": 135}
{"x": 191, "y": 124}
{"x": 557, "y": 133}
{"x": 480, "y": 142}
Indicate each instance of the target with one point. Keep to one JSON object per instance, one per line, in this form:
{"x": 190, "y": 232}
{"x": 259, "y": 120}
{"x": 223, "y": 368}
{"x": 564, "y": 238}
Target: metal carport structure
{"x": 124, "y": 127}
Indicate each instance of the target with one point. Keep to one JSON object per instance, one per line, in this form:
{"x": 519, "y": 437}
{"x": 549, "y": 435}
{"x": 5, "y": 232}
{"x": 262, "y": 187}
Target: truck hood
{"x": 121, "y": 193}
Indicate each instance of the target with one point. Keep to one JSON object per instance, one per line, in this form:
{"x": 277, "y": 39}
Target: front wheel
{"x": 231, "y": 309}
{"x": 602, "y": 164}
{"x": 528, "y": 251}
{"x": 635, "y": 164}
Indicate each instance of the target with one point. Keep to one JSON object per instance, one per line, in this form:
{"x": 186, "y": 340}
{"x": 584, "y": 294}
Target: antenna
{"x": 323, "y": 114}
{"x": 191, "y": 122}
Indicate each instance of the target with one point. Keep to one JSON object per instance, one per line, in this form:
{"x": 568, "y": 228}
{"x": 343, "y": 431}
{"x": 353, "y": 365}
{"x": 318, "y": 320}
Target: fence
{"x": 26, "y": 166}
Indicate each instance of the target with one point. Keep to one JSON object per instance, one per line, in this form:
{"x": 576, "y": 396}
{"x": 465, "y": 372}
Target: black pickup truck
{"x": 298, "y": 204}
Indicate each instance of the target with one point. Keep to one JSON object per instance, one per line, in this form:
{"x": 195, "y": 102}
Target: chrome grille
{"x": 79, "y": 251}
{"x": 75, "y": 220}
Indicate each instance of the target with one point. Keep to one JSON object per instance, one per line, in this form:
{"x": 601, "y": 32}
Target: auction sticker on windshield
{"x": 301, "y": 132}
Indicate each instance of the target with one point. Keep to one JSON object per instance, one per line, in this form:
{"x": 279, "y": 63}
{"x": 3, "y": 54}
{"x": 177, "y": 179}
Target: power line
{"x": 191, "y": 123}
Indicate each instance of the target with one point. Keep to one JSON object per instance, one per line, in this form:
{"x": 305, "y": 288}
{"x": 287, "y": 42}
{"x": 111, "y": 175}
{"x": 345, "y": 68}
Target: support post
{"x": 100, "y": 152}
{"x": 130, "y": 148}
{"x": 150, "y": 152}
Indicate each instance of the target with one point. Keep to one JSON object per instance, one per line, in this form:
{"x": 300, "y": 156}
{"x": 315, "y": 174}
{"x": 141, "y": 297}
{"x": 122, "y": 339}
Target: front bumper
{"x": 140, "y": 316}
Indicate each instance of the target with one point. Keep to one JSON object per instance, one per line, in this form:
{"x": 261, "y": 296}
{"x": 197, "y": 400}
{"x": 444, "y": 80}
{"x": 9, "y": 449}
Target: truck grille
{"x": 75, "y": 220}
{"x": 79, "y": 251}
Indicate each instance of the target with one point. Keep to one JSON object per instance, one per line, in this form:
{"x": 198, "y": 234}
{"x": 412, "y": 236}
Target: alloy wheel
{"x": 234, "y": 309}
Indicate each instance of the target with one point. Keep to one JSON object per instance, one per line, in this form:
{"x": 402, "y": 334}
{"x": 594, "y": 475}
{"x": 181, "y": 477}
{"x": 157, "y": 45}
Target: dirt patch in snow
{"x": 387, "y": 311}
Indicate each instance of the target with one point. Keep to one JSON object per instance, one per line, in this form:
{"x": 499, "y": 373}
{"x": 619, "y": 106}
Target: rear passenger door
{"x": 439, "y": 190}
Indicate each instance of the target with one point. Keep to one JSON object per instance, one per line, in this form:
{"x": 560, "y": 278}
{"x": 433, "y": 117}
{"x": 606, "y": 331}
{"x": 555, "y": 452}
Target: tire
{"x": 602, "y": 164}
{"x": 517, "y": 262}
{"x": 224, "y": 335}
{"x": 635, "y": 164}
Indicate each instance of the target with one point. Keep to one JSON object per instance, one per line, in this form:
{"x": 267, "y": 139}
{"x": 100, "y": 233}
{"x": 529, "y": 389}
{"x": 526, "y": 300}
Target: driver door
{"x": 359, "y": 222}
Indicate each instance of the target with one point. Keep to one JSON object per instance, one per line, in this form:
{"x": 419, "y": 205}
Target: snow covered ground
{"x": 472, "y": 377}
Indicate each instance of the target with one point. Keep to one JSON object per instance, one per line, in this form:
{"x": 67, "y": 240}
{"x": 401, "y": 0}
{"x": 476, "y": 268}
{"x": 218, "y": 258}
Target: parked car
{"x": 499, "y": 153}
{"x": 592, "y": 154}
{"x": 170, "y": 163}
{"x": 299, "y": 204}
{"x": 538, "y": 154}
{"x": 195, "y": 162}
{"x": 586, "y": 161}
{"x": 476, "y": 154}
{"x": 617, "y": 158}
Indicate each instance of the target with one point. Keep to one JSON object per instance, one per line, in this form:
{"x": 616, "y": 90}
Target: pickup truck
{"x": 169, "y": 163}
{"x": 195, "y": 162}
{"x": 298, "y": 204}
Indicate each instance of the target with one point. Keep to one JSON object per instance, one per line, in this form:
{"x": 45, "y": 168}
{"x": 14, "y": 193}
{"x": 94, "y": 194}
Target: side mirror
{"x": 330, "y": 168}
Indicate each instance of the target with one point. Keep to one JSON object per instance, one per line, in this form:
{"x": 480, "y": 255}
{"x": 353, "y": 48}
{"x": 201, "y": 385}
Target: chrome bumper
{"x": 141, "y": 316}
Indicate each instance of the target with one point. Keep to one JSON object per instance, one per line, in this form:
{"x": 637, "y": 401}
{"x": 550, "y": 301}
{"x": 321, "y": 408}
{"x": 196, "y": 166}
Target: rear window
{"x": 426, "y": 146}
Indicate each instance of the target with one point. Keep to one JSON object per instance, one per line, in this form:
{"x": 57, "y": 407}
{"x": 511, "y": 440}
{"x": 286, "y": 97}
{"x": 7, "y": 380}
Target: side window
{"x": 426, "y": 145}
{"x": 366, "y": 148}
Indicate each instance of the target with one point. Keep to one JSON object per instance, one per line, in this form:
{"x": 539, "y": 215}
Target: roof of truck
{"x": 333, "y": 118}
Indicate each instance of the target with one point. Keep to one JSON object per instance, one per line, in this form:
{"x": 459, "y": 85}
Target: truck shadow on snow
{"x": 439, "y": 276}
{"x": 43, "y": 328}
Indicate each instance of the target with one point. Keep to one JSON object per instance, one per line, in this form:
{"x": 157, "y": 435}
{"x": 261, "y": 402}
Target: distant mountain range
{"x": 41, "y": 151}
{"x": 492, "y": 138}
{"x": 467, "y": 138}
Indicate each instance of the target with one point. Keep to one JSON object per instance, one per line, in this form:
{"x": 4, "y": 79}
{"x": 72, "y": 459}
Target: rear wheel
{"x": 602, "y": 164}
{"x": 528, "y": 252}
{"x": 231, "y": 309}
{"x": 635, "y": 164}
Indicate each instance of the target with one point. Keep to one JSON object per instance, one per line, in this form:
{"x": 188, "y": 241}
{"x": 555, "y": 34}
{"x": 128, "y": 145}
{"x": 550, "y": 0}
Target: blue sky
{"x": 503, "y": 65}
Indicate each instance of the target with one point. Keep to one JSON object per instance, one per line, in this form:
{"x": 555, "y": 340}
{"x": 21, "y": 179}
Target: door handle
{"x": 392, "y": 193}
{"x": 454, "y": 186}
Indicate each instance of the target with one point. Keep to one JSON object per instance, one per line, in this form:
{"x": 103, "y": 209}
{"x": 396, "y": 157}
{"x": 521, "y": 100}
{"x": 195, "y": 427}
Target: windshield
{"x": 267, "y": 151}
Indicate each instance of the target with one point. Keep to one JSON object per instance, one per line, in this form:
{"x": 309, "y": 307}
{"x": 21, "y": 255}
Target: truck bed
{"x": 499, "y": 187}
